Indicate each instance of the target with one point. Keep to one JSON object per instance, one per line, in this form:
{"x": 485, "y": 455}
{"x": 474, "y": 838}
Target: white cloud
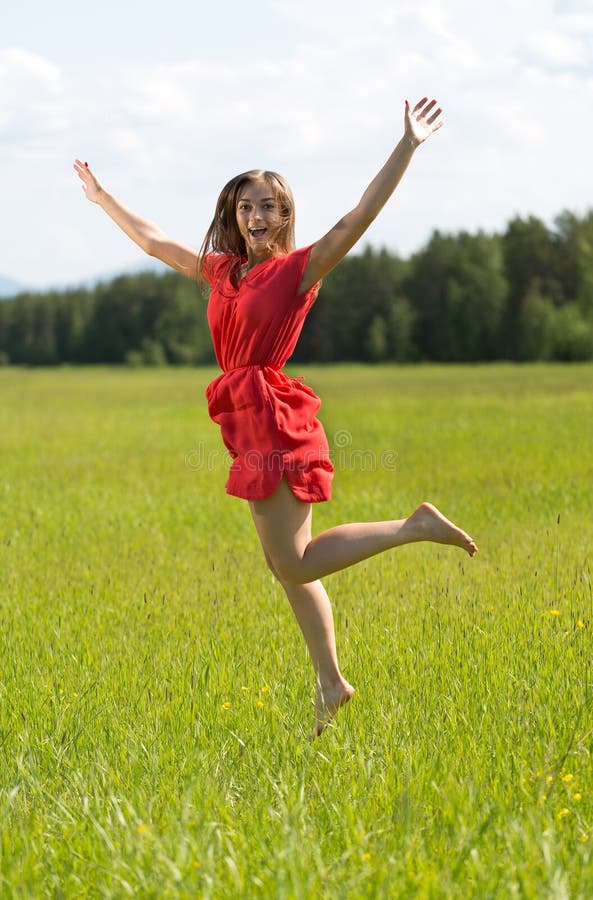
{"x": 553, "y": 48}
{"x": 24, "y": 66}
{"x": 579, "y": 22}
{"x": 31, "y": 108}
{"x": 175, "y": 92}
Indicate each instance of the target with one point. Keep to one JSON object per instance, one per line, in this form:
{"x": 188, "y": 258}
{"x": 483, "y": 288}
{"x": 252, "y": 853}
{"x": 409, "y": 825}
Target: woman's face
{"x": 258, "y": 218}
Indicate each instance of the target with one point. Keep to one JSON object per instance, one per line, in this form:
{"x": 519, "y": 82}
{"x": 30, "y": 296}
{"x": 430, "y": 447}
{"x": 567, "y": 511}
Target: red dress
{"x": 268, "y": 420}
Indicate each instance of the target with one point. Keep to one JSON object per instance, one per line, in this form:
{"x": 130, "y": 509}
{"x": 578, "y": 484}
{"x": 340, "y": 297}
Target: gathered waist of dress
{"x": 251, "y": 366}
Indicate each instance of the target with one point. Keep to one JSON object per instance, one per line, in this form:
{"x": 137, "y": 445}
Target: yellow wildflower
{"x": 197, "y": 865}
{"x": 580, "y": 624}
{"x": 142, "y": 828}
{"x": 554, "y": 612}
{"x": 567, "y": 778}
{"x": 265, "y": 689}
{"x": 226, "y": 704}
{"x": 577, "y": 796}
{"x": 562, "y": 813}
{"x": 259, "y": 704}
{"x": 549, "y": 779}
{"x": 366, "y": 857}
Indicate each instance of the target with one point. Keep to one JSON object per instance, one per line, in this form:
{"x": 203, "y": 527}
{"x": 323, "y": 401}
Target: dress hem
{"x": 301, "y": 493}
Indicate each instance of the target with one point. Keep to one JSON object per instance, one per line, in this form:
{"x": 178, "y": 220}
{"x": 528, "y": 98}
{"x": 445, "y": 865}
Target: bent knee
{"x": 289, "y": 568}
{"x": 271, "y": 565}
{"x": 283, "y": 569}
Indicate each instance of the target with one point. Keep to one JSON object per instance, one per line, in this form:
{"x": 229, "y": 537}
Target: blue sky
{"x": 168, "y": 100}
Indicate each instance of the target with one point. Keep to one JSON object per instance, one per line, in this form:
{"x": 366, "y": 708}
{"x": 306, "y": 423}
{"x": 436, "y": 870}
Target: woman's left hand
{"x": 90, "y": 183}
{"x": 422, "y": 121}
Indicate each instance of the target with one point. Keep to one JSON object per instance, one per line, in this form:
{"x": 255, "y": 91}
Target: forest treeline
{"x": 525, "y": 294}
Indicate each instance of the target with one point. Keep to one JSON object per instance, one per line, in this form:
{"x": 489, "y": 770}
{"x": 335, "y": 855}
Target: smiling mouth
{"x": 258, "y": 233}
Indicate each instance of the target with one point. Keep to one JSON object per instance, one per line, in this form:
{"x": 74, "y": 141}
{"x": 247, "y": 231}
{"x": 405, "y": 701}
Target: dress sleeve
{"x": 298, "y": 264}
{"x": 215, "y": 265}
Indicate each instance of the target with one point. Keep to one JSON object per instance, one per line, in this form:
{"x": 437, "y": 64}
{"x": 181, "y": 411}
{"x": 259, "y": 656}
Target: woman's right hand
{"x": 146, "y": 234}
{"x": 90, "y": 183}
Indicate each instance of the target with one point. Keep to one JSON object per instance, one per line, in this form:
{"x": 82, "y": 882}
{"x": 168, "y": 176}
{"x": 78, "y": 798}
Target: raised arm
{"x": 420, "y": 123}
{"x": 144, "y": 233}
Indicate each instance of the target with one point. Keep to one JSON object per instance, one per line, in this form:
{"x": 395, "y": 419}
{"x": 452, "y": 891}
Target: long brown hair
{"x": 223, "y": 235}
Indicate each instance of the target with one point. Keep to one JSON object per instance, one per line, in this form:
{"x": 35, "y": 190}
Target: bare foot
{"x": 328, "y": 701}
{"x": 428, "y": 524}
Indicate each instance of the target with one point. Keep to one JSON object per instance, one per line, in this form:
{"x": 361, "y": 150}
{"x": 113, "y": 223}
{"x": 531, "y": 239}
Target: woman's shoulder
{"x": 293, "y": 260}
{"x": 301, "y": 252}
{"x": 216, "y": 265}
{"x": 288, "y": 269}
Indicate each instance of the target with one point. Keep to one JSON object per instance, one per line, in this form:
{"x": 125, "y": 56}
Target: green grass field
{"x": 155, "y": 694}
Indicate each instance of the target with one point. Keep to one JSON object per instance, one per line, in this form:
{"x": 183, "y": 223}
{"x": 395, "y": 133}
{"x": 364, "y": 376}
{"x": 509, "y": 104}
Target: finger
{"x": 427, "y": 109}
{"x": 420, "y": 104}
{"x": 434, "y": 116}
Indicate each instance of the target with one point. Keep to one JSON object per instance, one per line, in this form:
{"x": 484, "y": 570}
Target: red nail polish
{"x": 86, "y": 164}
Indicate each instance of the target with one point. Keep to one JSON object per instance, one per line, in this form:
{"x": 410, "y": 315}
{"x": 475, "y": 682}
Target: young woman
{"x": 261, "y": 291}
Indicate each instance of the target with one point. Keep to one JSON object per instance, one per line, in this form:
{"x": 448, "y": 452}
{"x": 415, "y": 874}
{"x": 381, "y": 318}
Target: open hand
{"x": 90, "y": 183}
{"x": 421, "y": 121}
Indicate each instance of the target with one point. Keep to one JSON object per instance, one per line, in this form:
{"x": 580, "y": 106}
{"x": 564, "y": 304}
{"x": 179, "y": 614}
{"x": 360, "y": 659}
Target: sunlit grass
{"x": 155, "y": 695}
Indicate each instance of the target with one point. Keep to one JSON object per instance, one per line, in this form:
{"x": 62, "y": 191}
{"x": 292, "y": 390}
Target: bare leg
{"x": 313, "y": 612}
{"x": 284, "y": 527}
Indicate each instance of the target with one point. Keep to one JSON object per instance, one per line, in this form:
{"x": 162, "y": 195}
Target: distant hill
{"x": 8, "y": 287}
